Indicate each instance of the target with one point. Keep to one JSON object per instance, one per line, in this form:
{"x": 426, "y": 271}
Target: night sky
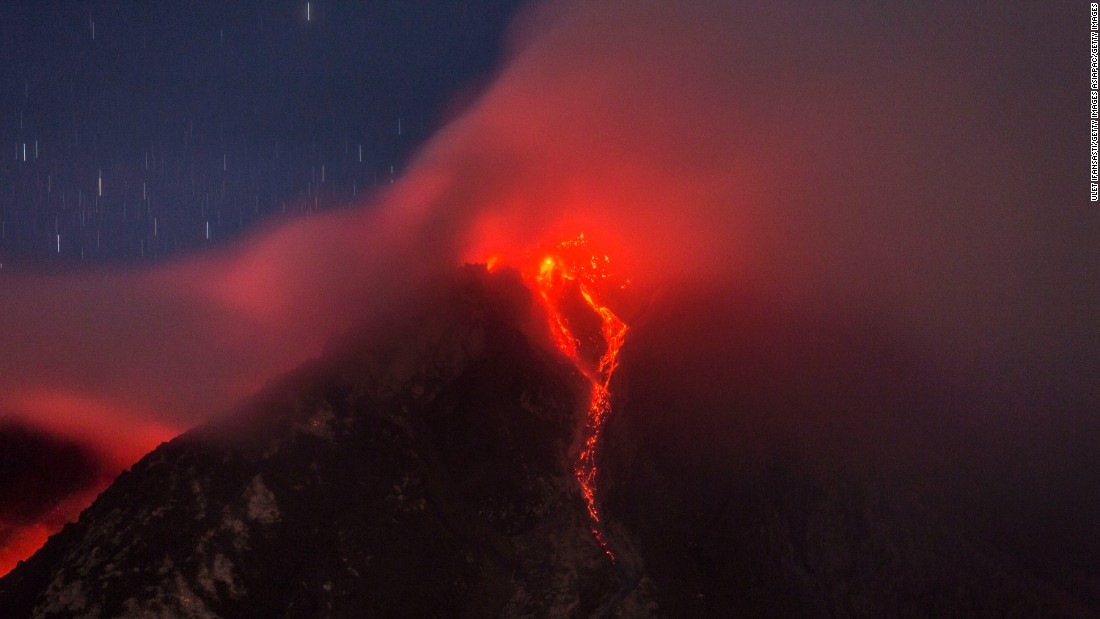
{"x": 914, "y": 176}
{"x": 131, "y": 132}
{"x": 135, "y": 133}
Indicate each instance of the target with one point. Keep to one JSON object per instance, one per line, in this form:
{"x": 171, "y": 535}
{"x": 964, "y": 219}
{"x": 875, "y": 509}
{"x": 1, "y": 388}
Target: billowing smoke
{"x": 878, "y": 203}
{"x": 120, "y": 361}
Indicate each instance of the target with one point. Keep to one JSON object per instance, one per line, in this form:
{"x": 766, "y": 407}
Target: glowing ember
{"x": 572, "y": 269}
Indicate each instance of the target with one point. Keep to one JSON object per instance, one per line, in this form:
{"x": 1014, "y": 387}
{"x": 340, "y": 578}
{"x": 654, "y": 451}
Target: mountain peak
{"x": 418, "y": 469}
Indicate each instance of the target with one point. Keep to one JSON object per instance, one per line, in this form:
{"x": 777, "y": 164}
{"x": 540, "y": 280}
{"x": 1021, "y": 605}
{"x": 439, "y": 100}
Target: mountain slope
{"x": 423, "y": 468}
{"x": 423, "y": 475}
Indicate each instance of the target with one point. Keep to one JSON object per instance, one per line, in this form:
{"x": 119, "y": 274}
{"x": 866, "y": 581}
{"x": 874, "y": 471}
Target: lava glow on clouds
{"x": 864, "y": 164}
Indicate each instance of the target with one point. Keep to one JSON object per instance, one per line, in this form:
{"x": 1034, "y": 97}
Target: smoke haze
{"x": 836, "y": 189}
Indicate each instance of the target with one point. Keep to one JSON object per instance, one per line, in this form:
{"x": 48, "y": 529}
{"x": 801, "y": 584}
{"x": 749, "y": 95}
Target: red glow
{"x": 572, "y": 268}
{"x": 120, "y": 434}
{"x": 26, "y": 539}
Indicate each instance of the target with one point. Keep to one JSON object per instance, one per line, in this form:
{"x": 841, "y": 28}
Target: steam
{"x": 880, "y": 166}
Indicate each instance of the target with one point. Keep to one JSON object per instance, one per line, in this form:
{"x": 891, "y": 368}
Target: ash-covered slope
{"x": 423, "y": 474}
{"x": 423, "y": 469}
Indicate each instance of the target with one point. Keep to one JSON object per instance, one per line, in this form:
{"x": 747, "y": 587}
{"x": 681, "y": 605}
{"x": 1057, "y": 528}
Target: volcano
{"x": 425, "y": 472}
{"x": 428, "y": 466}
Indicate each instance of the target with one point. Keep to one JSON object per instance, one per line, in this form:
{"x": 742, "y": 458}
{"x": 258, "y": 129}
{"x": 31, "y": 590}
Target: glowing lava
{"x": 569, "y": 270}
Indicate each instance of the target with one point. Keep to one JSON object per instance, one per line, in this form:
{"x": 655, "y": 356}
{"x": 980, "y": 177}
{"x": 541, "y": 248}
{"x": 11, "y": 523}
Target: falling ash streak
{"x": 613, "y": 331}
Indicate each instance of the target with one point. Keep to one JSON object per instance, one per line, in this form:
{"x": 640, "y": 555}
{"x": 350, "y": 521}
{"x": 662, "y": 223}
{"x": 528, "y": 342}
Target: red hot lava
{"x": 571, "y": 280}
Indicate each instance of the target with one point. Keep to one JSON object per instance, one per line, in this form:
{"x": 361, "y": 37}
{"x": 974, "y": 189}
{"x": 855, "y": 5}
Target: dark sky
{"x": 916, "y": 172}
{"x": 132, "y": 133}
{"x": 203, "y": 118}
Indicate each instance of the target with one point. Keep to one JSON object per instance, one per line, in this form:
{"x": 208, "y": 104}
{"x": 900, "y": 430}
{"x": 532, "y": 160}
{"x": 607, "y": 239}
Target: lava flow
{"x": 567, "y": 274}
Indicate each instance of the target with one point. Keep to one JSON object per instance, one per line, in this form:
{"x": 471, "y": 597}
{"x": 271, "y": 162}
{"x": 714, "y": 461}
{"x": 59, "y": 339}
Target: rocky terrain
{"x": 422, "y": 469}
{"x": 426, "y": 476}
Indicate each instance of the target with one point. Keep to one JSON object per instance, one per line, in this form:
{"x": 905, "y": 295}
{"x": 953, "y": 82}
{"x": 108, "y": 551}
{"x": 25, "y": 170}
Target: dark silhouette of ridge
{"x": 421, "y": 468}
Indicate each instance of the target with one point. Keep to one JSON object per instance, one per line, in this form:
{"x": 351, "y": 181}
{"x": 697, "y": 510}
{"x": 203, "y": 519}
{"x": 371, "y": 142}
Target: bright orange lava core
{"x": 565, "y": 272}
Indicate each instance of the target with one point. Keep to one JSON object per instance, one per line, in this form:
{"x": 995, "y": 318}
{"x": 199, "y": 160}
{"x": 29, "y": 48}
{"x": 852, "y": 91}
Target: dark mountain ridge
{"x": 424, "y": 476}
{"x": 422, "y": 468}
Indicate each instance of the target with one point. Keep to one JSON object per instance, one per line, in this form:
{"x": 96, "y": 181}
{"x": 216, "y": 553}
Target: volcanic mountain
{"x": 427, "y": 467}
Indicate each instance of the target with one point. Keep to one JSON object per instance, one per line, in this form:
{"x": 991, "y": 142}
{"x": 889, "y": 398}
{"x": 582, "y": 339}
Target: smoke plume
{"x": 883, "y": 204}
